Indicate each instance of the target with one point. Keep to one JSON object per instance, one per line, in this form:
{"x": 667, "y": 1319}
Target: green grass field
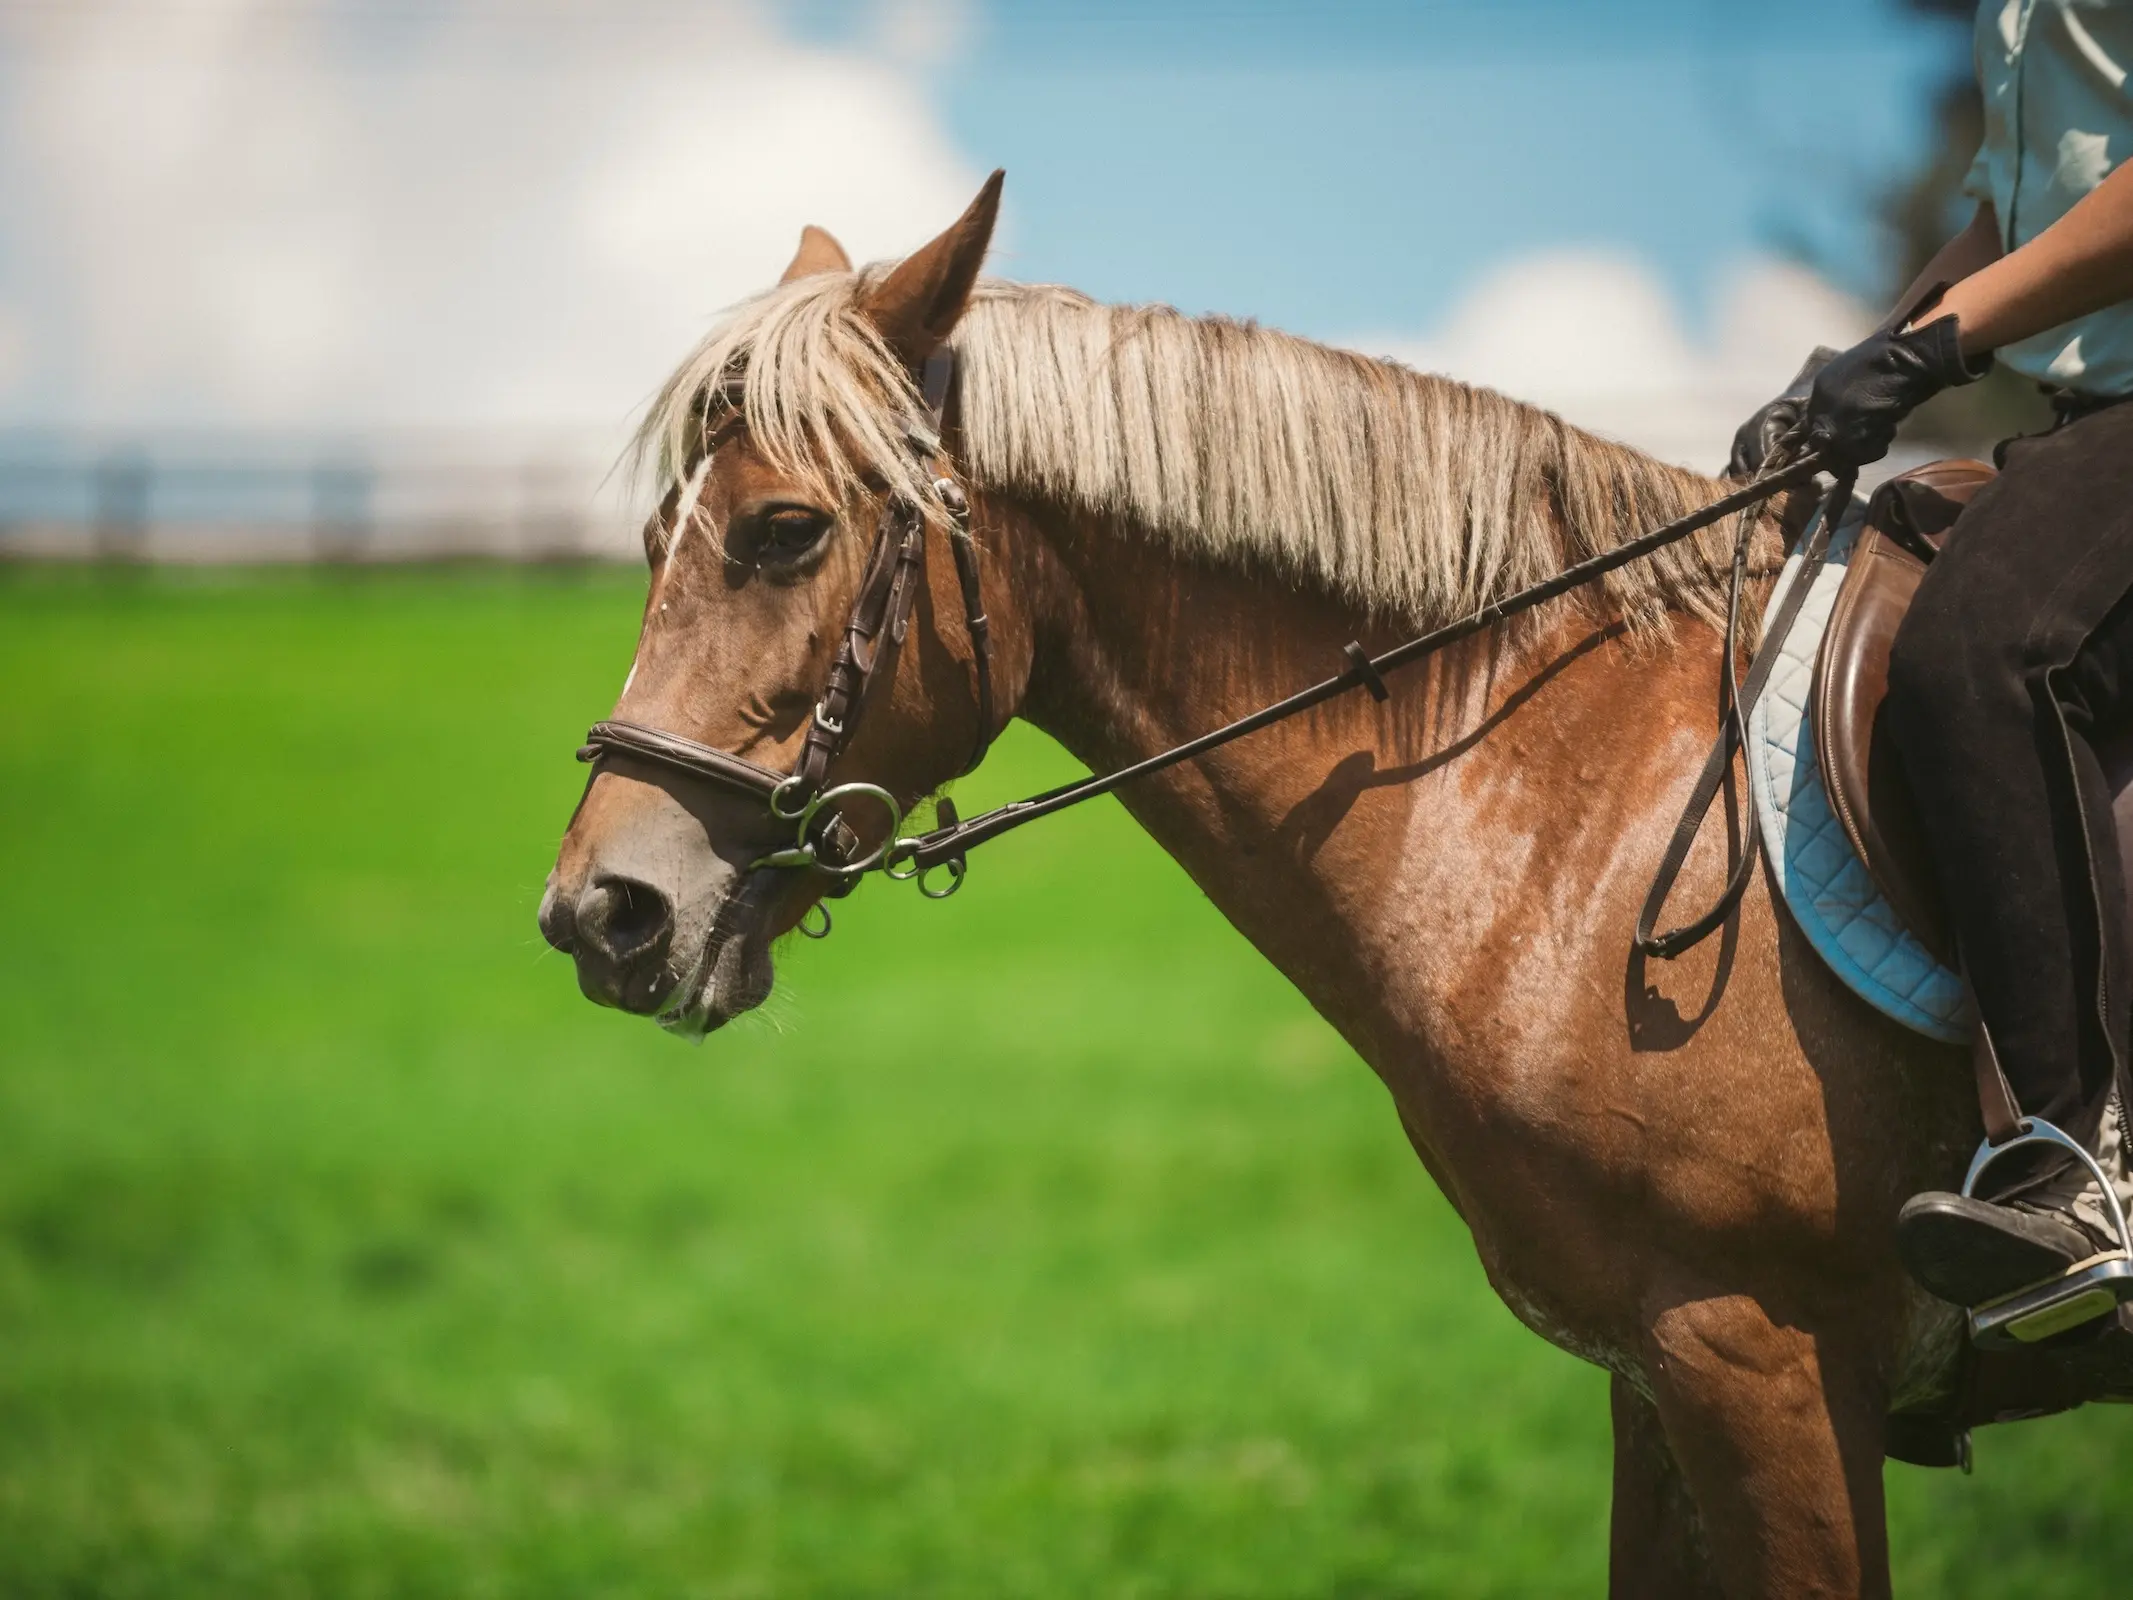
{"x": 1040, "y": 1243}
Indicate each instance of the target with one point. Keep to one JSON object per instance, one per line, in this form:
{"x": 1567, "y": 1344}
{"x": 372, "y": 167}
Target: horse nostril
{"x": 558, "y": 926}
{"x": 623, "y": 918}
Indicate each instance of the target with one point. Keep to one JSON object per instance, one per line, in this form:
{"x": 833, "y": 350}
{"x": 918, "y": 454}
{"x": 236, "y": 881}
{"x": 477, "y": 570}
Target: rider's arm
{"x": 1976, "y": 247}
{"x": 2081, "y": 263}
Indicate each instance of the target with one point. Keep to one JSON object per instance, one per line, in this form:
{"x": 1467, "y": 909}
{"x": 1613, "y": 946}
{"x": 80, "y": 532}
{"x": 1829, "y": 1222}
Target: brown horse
{"x": 1687, "y": 1175}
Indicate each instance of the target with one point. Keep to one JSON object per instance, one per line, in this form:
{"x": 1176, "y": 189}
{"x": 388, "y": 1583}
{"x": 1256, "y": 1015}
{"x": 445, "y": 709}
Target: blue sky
{"x": 1338, "y": 168}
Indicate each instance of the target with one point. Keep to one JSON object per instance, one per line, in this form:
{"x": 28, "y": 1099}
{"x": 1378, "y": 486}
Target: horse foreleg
{"x": 1779, "y": 1437}
{"x": 1655, "y": 1543}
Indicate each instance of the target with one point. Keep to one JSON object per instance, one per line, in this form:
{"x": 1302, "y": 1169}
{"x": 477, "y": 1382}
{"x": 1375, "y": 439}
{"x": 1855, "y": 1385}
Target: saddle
{"x": 1907, "y": 522}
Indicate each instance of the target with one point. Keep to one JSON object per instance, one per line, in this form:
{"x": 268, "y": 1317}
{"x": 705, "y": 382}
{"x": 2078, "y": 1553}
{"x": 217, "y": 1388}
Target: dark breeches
{"x": 2016, "y": 655}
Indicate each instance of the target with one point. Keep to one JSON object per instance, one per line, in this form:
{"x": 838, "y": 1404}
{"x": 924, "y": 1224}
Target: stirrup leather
{"x": 2086, "y": 1290}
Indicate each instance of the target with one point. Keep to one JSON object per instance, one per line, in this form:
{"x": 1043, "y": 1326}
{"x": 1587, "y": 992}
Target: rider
{"x": 2019, "y": 647}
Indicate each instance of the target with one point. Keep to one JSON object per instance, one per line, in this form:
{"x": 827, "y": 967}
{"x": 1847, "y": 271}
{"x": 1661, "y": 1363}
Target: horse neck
{"x": 1355, "y": 831}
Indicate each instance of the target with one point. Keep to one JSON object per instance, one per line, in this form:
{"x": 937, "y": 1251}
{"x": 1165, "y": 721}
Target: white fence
{"x": 264, "y": 498}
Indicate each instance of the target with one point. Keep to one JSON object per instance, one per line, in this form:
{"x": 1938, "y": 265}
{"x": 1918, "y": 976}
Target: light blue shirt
{"x": 2058, "y": 118}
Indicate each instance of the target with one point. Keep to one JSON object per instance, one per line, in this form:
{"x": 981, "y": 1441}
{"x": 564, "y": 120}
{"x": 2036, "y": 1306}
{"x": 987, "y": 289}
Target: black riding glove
{"x": 1759, "y": 435}
{"x": 1858, "y": 400}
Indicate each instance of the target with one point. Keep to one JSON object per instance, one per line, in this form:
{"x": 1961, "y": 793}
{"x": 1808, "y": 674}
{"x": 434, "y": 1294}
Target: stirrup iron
{"x": 2085, "y": 1291}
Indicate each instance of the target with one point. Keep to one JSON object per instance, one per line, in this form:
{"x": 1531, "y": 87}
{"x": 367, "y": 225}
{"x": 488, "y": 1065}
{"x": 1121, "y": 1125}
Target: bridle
{"x": 873, "y": 634}
{"x": 825, "y": 843}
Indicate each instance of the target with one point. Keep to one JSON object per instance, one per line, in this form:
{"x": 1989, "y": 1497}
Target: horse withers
{"x": 1688, "y": 1175}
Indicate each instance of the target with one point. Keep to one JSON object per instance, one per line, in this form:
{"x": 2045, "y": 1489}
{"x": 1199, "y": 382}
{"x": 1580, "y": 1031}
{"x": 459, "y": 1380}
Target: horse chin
{"x": 732, "y": 973}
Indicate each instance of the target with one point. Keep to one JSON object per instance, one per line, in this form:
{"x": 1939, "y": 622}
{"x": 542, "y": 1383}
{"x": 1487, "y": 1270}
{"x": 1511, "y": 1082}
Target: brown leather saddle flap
{"x": 1907, "y": 516}
{"x": 1867, "y": 789}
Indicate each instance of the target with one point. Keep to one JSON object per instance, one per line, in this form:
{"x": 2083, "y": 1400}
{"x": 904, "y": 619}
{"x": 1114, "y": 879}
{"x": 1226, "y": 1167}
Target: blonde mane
{"x": 1414, "y": 496}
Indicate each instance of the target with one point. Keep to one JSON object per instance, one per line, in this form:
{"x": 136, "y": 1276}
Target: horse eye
{"x": 788, "y": 532}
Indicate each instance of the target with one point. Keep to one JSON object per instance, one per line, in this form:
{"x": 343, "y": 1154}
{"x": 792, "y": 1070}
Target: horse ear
{"x": 818, "y": 252}
{"x": 917, "y": 304}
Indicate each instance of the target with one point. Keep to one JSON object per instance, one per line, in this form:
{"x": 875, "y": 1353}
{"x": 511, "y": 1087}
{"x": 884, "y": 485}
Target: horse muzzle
{"x": 619, "y": 931}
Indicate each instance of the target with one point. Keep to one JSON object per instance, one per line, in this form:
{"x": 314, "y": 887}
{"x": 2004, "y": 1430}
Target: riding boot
{"x": 1970, "y": 1251}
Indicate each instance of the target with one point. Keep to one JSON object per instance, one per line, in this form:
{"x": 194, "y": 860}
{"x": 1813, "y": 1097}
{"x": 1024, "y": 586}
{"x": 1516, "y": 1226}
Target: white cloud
{"x": 307, "y": 213}
{"x": 1596, "y": 338}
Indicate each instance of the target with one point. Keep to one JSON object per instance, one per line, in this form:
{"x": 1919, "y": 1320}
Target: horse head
{"x": 800, "y": 461}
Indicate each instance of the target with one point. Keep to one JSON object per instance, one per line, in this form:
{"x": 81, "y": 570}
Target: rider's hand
{"x": 1858, "y": 400}
{"x": 1759, "y": 435}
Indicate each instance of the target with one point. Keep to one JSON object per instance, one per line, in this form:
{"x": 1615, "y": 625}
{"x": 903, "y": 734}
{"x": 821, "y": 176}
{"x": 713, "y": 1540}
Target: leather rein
{"x": 825, "y": 843}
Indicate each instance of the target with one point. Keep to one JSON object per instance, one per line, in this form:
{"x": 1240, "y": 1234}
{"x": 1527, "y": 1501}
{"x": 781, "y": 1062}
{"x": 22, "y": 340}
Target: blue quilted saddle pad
{"x": 1827, "y": 887}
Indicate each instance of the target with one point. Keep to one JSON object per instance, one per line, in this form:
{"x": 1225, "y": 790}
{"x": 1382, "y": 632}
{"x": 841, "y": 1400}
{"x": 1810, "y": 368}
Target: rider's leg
{"x": 2019, "y": 647}
{"x": 2018, "y": 817}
